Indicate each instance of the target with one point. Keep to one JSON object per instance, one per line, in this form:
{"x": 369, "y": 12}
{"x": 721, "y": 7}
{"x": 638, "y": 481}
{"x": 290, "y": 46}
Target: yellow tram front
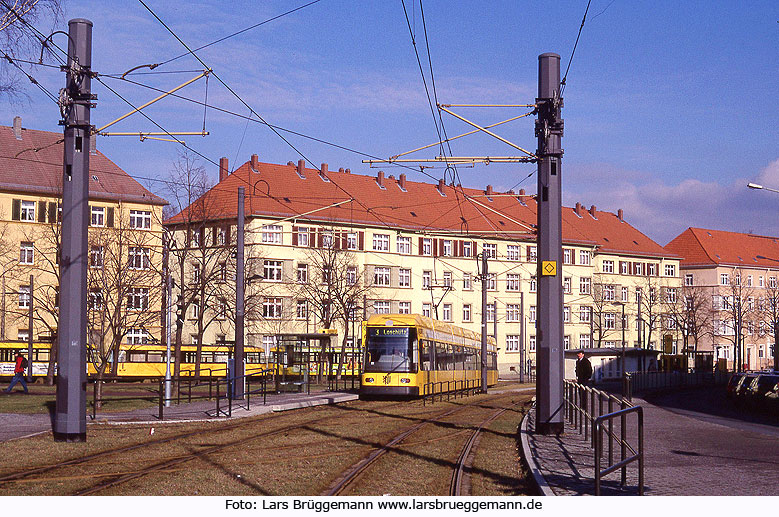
{"x": 391, "y": 362}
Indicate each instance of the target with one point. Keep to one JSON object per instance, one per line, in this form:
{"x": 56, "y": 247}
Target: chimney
{"x": 380, "y": 179}
{"x": 391, "y": 177}
{"x": 620, "y": 215}
{"x": 440, "y": 187}
{"x": 290, "y": 163}
{"x": 323, "y": 171}
{"x": 521, "y": 192}
{"x": 223, "y": 169}
{"x": 18, "y": 127}
{"x": 301, "y": 168}
{"x": 348, "y": 171}
{"x": 255, "y": 163}
{"x": 578, "y": 209}
{"x": 402, "y": 181}
{"x": 341, "y": 169}
{"x": 489, "y": 190}
{"x": 593, "y": 212}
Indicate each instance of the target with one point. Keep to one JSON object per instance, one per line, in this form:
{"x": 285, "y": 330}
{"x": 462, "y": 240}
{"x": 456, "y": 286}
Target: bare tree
{"x": 650, "y": 308}
{"x": 768, "y": 314}
{"x": 604, "y": 316}
{"x": 20, "y": 39}
{"x": 336, "y": 285}
{"x": 736, "y": 302}
{"x": 689, "y": 310}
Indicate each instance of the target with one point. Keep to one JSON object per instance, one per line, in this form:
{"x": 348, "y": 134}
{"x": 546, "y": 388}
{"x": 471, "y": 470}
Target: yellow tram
{"x": 411, "y": 355}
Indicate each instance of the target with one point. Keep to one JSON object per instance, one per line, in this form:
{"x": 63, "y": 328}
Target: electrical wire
{"x": 584, "y": 18}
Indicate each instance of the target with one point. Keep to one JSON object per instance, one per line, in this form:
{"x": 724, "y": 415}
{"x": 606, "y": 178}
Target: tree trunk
{"x": 115, "y": 357}
{"x": 343, "y": 352}
{"x": 52, "y": 361}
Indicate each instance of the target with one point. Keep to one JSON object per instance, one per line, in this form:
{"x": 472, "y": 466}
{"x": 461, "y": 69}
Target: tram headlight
{"x": 405, "y": 381}
{"x": 369, "y": 379}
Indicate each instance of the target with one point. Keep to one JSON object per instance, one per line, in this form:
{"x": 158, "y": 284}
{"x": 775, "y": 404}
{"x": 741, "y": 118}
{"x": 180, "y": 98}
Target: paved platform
{"x": 15, "y": 425}
{"x": 687, "y": 453}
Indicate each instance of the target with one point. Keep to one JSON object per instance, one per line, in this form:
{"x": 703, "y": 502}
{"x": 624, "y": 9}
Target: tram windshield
{"x": 390, "y": 349}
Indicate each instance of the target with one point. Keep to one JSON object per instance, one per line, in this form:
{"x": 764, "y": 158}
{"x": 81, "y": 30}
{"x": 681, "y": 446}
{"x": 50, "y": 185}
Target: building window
{"x": 351, "y": 275}
{"x": 532, "y": 314}
{"x": 609, "y": 293}
{"x": 492, "y": 283}
{"x": 624, "y": 294}
{"x": 512, "y": 343}
{"x": 467, "y": 249}
{"x": 26, "y": 253}
{"x": 98, "y": 216}
{"x": 749, "y": 280}
{"x": 585, "y": 313}
{"x": 427, "y": 279}
{"x": 24, "y": 297}
{"x": 140, "y": 219}
{"x": 447, "y": 313}
{"x": 302, "y": 233}
{"x": 271, "y": 234}
{"x": 513, "y": 282}
{"x": 760, "y": 281}
{"x": 381, "y": 276}
{"x": 403, "y": 244}
{"x": 447, "y": 278}
{"x": 467, "y": 282}
{"x": 381, "y": 242}
{"x": 271, "y": 270}
{"x": 584, "y": 257}
{"x": 532, "y": 343}
{"x": 670, "y": 270}
{"x": 271, "y": 308}
{"x": 138, "y": 258}
{"x": 491, "y": 312}
{"x": 724, "y": 279}
{"x": 772, "y": 282}
{"x": 624, "y": 268}
{"x": 302, "y": 273}
{"x": 532, "y": 254}
{"x": 301, "y": 312}
{"x": 381, "y": 307}
{"x": 652, "y": 270}
{"x": 466, "y": 312}
{"x": 28, "y": 211}
{"x": 567, "y": 342}
{"x": 196, "y": 273}
{"x": 136, "y": 336}
{"x": 533, "y": 284}
{"x": 404, "y": 307}
{"x": 608, "y": 266}
{"x": 638, "y": 268}
{"x": 491, "y": 250}
{"x": 426, "y": 310}
{"x": 447, "y": 248}
{"x": 95, "y": 299}
{"x": 567, "y": 256}
{"x": 512, "y": 312}
{"x": 404, "y": 278}
{"x": 671, "y": 294}
{"x": 221, "y": 309}
{"x": 567, "y": 285}
{"x": 584, "y": 341}
{"x": 221, "y": 236}
{"x": 609, "y": 321}
{"x": 138, "y": 299}
{"x": 427, "y": 246}
{"x": 512, "y": 252}
{"x": 566, "y": 314}
{"x": 585, "y": 285}
{"x": 222, "y": 272}
{"x": 96, "y": 256}
{"x": 194, "y": 239}
{"x": 352, "y": 241}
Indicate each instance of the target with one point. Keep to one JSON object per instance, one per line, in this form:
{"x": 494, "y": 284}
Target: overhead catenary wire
{"x": 570, "y": 60}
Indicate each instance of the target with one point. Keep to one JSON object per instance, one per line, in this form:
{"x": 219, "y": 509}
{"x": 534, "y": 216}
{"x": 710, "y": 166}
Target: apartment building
{"x": 736, "y": 275}
{"x": 411, "y": 247}
{"x": 124, "y": 244}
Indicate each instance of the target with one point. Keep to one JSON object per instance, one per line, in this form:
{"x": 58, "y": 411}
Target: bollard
{"x": 623, "y": 444}
{"x": 162, "y": 401}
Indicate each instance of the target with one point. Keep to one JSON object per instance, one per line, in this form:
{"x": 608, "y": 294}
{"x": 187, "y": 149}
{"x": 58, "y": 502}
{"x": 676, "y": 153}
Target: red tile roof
{"x": 701, "y": 247}
{"x": 277, "y": 191}
{"x": 34, "y": 165}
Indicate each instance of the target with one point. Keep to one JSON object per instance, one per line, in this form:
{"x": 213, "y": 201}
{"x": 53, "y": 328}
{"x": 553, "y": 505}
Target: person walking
{"x": 21, "y": 365}
{"x": 583, "y": 369}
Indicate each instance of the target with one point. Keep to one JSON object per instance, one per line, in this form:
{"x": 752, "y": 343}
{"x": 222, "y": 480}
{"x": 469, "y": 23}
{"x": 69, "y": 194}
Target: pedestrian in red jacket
{"x": 21, "y": 365}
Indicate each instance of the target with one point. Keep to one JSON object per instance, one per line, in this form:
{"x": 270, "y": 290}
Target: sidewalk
{"x": 686, "y": 453}
{"x": 15, "y": 425}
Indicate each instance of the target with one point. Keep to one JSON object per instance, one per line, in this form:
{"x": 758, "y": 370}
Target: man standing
{"x": 583, "y": 369}
{"x": 21, "y": 365}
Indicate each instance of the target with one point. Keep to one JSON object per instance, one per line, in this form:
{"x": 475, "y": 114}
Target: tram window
{"x": 7, "y": 355}
{"x": 155, "y": 357}
{"x": 470, "y": 359}
{"x": 220, "y": 357}
{"x": 425, "y": 352}
{"x": 41, "y": 355}
{"x": 137, "y": 357}
{"x": 206, "y": 357}
{"x": 390, "y": 349}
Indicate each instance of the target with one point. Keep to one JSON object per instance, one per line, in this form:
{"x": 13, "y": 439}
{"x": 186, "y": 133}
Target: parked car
{"x": 732, "y": 384}
{"x": 772, "y": 400}
{"x": 759, "y": 387}
{"x": 740, "y": 392}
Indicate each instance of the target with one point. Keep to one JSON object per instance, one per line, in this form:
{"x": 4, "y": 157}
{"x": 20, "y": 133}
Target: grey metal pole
{"x": 238, "y": 369}
{"x": 30, "y": 326}
{"x": 70, "y": 422}
{"x": 168, "y": 321}
{"x": 549, "y": 324}
{"x": 484, "y": 277}
{"x": 521, "y": 337}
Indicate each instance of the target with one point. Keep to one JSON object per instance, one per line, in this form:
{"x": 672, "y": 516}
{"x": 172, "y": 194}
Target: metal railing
{"x": 586, "y": 408}
{"x": 261, "y": 375}
{"x": 624, "y": 445}
{"x": 449, "y": 388}
{"x": 646, "y": 381}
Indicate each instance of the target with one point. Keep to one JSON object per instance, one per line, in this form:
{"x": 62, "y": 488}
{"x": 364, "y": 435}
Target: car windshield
{"x": 390, "y": 349}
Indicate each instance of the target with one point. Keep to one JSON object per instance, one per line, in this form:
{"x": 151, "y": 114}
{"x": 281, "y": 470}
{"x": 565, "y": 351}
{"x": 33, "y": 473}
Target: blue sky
{"x": 670, "y": 107}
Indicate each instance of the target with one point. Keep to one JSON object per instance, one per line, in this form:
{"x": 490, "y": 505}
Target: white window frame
{"x": 467, "y": 312}
{"x": 272, "y": 234}
{"x": 26, "y": 253}
{"x": 273, "y": 270}
{"x": 608, "y": 266}
{"x": 138, "y": 257}
{"x": 97, "y": 216}
{"x": 404, "y": 307}
{"x": 403, "y": 244}
{"x": 27, "y": 211}
{"x": 140, "y": 219}
{"x": 272, "y": 307}
{"x": 381, "y": 242}
{"x": 404, "y": 277}
{"x": 513, "y": 252}
{"x": 382, "y": 276}
{"x": 381, "y": 307}
{"x": 584, "y": 257}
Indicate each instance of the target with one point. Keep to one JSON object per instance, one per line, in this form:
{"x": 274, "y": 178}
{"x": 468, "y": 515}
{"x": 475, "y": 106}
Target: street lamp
{"x": 761, "y": 187}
